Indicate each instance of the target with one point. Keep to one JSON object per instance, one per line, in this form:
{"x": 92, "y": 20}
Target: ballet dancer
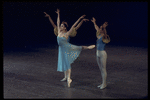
{"x": 101, "y": 55}
{"x": 73, "y": 33}
{"x": 67, "y": 52}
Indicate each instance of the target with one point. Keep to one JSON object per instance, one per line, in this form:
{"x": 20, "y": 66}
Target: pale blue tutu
{"x": 67, "y": 54}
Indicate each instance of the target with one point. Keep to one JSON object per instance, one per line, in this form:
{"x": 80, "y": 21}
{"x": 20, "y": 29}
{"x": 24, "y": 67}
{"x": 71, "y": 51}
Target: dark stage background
{"x": 25, "y": 24}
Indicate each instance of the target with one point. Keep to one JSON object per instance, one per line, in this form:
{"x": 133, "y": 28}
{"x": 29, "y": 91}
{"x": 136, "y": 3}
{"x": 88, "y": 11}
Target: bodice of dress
{"x": 100, "y": 44}
{"x": 61, "y": 40}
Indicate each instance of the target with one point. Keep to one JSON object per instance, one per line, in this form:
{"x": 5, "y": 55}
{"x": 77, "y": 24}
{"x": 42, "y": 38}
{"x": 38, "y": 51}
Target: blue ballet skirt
{"x": 67, "y": 54}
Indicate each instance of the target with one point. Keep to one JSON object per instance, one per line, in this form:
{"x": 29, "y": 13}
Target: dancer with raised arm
{"x": 67, "y": 52}
{"x": 73, "y": 33}
{"x": 102, "y": 39}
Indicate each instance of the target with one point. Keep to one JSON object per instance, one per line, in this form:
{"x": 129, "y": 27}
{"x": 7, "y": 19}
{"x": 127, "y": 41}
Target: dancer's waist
{"x": 100, "y": 53}
{"x": 100, "y": 47}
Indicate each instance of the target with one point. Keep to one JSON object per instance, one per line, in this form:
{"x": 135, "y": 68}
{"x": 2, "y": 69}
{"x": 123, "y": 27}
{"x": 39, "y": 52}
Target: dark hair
{"x": 65, "y": 23}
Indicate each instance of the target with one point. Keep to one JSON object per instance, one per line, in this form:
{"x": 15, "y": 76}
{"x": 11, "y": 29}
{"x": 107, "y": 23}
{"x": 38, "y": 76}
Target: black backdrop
{"x": 24, "y": 23}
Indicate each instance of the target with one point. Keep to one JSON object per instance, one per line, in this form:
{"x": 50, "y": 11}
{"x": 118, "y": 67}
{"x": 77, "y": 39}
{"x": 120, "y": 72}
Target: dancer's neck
{"x": 63, "y": 31}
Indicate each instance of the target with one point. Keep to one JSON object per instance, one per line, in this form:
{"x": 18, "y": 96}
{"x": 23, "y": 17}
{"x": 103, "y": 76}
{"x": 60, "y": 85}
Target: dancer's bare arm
{"x": 73, "y": 26}
{"x": 50, "y": 19}
{"x": 95, "y": 25}
{"x": 77, "y": 27}
{"x": 58, "y": 21}
{"x": 104, "y": 26}
{"x": 105, "y": 31}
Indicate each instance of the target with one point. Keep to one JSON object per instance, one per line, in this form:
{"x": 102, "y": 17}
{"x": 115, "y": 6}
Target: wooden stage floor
{"x": 32, "y": 73}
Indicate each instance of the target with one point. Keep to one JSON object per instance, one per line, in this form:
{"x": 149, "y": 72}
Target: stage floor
{"x": 32, "y": 73}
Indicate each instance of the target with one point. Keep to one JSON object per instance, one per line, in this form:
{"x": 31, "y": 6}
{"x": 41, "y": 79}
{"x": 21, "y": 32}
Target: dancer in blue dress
{"x": 102, "y": 39}
{"x": 67, "y": 52}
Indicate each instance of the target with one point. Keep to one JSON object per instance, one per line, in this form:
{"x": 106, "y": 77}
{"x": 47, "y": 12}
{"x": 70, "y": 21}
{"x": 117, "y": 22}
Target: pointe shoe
{"x": 91, "y": 47}
{"x": 99, "y": 86}
{"x": 69, "y": 81}
{"x": 103, "y": 86}
{"x": 64, "y": 79}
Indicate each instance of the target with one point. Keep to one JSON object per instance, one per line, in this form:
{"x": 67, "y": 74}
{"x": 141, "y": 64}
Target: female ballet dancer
{"x": 67, "y": 52}
{"x": 102, "y": 39}
{"x": 73, "y": 33}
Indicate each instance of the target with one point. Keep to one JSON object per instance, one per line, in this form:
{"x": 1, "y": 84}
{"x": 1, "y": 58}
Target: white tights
{"x": 67, "y": 74}
{"x": 101, "y": 61}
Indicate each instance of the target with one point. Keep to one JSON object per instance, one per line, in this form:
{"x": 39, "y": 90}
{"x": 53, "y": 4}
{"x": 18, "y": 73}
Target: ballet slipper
{"x": 91, "y": 47}
{"x": 69, "y": 82}
{"x": 103, "y": 86}
{"x": 64, "y": 79}
{"x": 99, "y": 86}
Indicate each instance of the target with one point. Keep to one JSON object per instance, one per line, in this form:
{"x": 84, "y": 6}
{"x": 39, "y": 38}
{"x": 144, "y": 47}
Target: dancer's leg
{"x": 99, "y": 64}
{"x": 88, "y": 47}
{"x": 68, "y": 77}
{"x": 65, "y": 76}
{"x": 69, "y": 74}
{"x": 103, "y": 73}
{"x": 102, "y": 65}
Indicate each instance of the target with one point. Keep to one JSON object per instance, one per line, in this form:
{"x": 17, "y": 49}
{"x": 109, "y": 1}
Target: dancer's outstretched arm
{"x": 50, "y": 19}
{"x": 58, "y": 21}
{"x": 104, "y": 26}
{"x": 95, "y": 25}
{"x": 77, "y": 27}
{"x": 105, "y": 31}
{"x": 73, "y": 26}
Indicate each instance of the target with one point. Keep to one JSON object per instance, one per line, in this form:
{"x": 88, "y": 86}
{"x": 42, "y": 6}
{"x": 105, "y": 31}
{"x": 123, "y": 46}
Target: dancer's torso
{"x": 100, "y": 44}
{"x": 61, "y": 39}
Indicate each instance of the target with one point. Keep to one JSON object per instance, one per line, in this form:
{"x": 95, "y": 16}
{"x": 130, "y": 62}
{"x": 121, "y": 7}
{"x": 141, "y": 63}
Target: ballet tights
{"x": 67, "y": 75}
{"x": 101, "y": 61}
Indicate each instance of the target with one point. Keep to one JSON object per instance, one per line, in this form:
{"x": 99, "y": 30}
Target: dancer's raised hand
{"x": 82, "y": 16}
{"x": 93, "y": 20}
{"x": 57, "y": 11}
{"x": 46, "y": 15}
{"x": 85, "y": 19}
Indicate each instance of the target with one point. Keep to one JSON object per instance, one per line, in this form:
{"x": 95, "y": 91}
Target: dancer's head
{"x": 63, "y": 26}
{"x": 103, "y": 32}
